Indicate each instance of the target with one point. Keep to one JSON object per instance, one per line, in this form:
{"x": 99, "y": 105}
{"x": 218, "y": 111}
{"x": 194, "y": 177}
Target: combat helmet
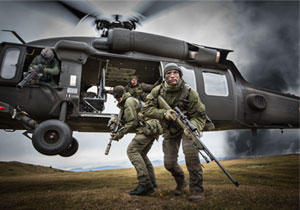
{"x": 47, "y": 54}
{"x": 119, "y": 91}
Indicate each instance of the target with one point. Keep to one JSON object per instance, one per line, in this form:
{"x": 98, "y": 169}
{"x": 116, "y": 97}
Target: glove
{"x": 36, "y": 68}
{"x": 30, "y": 70}
{"x": 187, "y": 133}
{"x": 117, "y": 136}
{"x": 170, "y": 114}
{"x": 46, "y": 70}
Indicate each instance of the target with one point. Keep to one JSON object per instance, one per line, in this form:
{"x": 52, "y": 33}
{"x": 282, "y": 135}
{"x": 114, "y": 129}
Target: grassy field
{"x": 265, "y": 183}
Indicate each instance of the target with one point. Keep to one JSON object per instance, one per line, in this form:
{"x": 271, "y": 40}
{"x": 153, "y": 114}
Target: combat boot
{"x": 179, "y": 190}
{"x": 196, "y": 196}
{"x": 142, "y": 190}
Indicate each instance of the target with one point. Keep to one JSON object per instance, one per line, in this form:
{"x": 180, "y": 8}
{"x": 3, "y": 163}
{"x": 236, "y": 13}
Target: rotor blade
{"x": 151, "y": 8}
{"x": 79, "y": 14}
{"x": 77, "y": 10}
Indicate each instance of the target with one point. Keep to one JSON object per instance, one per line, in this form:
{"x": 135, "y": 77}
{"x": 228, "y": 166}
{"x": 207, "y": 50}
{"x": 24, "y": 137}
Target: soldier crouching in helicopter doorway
{"x": 47, "y": 64}
{"x": 176, "y": 92}
{"x": 139, "y": 90}
{"x": 146, "y": 132}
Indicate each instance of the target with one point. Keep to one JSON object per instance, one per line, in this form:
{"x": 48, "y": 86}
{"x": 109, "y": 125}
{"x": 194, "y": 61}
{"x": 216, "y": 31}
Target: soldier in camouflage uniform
{"x": 146, "y": 132}
{"x": 139, "y": 90}
{"x": 49, "y": 65}
{"x": 177, "y": 93}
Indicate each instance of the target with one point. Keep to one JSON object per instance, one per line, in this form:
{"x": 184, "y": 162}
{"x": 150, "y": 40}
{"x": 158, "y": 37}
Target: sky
{"x": 263, "y": 35}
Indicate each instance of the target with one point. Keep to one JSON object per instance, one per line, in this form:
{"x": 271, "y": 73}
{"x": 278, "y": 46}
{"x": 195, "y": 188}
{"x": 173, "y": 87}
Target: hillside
{"x": 19, "y": 169}
{"x": 265, "y": 183}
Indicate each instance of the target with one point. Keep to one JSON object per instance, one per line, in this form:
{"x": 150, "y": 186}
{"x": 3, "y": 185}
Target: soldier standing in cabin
{"x": 139, "y": 90}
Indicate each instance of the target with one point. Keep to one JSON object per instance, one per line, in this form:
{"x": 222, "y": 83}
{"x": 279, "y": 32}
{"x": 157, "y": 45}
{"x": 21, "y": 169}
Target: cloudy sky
{"x": 263, "y": 35}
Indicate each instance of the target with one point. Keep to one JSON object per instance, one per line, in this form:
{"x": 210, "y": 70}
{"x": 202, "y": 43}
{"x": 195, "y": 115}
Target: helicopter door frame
{"x": 97, "y": 104}
{"x": 220, "y": 102}
{"x": 11, "y": 55}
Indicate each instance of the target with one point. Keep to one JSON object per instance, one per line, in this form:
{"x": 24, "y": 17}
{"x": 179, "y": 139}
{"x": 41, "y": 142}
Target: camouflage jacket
{"x": 140, "y": 91}
{"x": 49, "y": 68}
{"x": 129, "y": 119}
{"x": 192, "y": 107}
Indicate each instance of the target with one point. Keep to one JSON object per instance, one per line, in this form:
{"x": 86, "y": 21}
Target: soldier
{"x": 139, "y": 90}
{"x": 146, "y": 132}
{"x": 177, "y": 93}
{"x": 49, "y": 65}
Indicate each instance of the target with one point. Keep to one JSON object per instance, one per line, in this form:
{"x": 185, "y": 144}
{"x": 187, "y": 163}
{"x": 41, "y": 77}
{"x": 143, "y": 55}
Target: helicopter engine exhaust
{"x": 123, "y": 40}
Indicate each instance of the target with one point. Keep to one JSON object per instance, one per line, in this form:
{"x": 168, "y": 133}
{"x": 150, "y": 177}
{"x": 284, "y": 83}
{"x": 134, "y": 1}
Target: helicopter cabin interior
{"x": 215, "y": 86}
{"x": 116, "y": 71}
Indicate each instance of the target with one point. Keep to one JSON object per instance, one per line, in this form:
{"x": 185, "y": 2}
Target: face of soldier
{"x": 133, "y": 82}
{"x": 172, "y": 77}
{"x": 119, "y": 99}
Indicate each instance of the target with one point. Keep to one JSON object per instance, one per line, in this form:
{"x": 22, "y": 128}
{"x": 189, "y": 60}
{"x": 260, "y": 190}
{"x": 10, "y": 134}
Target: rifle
{"x": 114, "y": 125}
{"x": 32, "y": 74}
{"x": 184, "y": 123}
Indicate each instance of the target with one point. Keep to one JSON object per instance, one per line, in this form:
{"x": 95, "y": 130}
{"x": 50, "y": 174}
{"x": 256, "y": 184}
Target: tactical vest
{"x": 183, "y": 104}
{"x": 182, "y": 101}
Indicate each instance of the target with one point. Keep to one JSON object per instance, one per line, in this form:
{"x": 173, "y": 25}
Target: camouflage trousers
{"x": 137, "y": 152}
{"x": 170, "y": 149}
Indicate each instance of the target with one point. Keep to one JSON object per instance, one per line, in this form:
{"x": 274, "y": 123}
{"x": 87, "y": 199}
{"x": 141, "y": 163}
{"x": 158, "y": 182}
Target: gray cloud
{"x": 267, "y": 39}
{"x": 267, "y": 33}
{"x": 267, "y": 142}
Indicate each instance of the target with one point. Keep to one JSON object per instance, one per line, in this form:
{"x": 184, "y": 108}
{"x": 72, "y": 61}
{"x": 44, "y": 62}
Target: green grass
{"x": 265, "y": 183}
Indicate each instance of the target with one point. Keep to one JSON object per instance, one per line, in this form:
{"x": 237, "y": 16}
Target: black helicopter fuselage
{"x": 231, "y": 102}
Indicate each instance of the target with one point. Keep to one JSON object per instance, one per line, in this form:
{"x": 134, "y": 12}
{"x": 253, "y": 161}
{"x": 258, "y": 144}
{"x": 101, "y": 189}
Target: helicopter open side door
{"x": 216, "y": 91}
{"x": 96, "y": 103}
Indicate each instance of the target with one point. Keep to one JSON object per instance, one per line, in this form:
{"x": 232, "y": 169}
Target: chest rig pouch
{"x": 183, "y": 103}
{"x": 180, "y": 100}
{"x": 152, "y": 127}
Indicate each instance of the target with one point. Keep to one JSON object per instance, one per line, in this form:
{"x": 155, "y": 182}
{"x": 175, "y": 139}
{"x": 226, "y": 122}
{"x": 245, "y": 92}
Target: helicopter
{"x": 50, "y": 113}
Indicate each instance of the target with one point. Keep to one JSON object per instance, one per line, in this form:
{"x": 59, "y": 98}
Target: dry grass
{"x": 266, "y": 183}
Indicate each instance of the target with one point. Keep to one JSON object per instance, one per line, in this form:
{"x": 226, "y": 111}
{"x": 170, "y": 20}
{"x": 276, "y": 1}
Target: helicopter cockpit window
{"x": 189, "y": 77}
{"x": 215, "y": 84}
{"x": 9, "y": 64}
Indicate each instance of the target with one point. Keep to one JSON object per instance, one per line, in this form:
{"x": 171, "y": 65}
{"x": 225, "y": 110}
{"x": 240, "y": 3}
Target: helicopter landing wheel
{"x": 52, "y": 137}
{"x": 71, "y": 150}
